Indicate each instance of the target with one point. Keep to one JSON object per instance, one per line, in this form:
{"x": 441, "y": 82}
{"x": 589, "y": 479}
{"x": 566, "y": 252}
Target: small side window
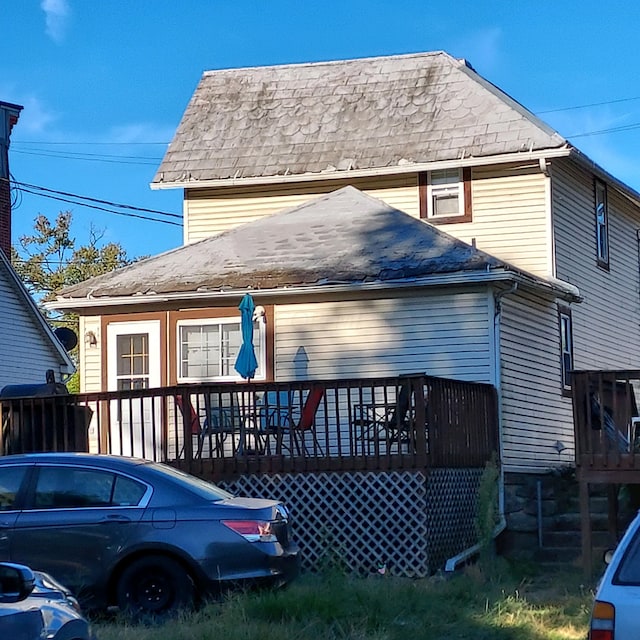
{"x": 566, "y": 347}
{"x": 602, "y": 225}
{"x": 127, "y": 492}
{"x": 11, "y": 479}
{"x": 445, "y": 195}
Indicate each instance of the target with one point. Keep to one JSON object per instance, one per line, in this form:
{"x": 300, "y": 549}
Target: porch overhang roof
{"x": 555, "y": 288}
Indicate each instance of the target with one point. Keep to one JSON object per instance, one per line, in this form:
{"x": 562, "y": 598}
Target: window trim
{"x": 564, "y": 314}
{"x": 602, "y": 259}
{"x": 424, "y": 196}
{"x": 261, "y": 353}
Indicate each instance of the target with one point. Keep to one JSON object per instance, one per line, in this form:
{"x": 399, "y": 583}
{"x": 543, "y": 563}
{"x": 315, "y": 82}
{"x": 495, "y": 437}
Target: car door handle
{"x": 115, "y": 519}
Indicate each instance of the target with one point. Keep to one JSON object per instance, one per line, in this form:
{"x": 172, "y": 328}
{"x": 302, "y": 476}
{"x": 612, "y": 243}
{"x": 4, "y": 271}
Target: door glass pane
{"x": 64, "y": 487}
{"x": 132, "y": 367}
{"x": 10, "y": 481}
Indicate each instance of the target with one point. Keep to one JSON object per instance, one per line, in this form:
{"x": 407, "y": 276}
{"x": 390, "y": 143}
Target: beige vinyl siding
{"x": 510, "y": 216}
{"x": 606, "y": 324}
{"x": 26, "y": 352}
{"x": 208, "y": 212}
{"x": 535, "y": 414}
{"x": 90, "y": 357}
{"x": 443, "y": 334}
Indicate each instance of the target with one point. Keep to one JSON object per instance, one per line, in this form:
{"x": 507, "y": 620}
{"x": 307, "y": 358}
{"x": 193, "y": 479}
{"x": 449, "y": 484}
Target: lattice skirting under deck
{"x": 408, "y": 522}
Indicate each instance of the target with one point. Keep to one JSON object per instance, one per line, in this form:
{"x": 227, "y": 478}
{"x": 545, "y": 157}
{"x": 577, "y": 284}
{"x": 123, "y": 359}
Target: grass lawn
{"x": 512, "y": 603}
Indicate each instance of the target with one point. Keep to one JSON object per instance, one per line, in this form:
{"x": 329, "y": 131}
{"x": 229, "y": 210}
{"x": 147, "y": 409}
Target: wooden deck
{"x": 221, "y": 431}
{"x": 607, "y": 438}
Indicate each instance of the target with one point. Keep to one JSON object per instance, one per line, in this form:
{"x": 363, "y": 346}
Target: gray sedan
{"x": 136, "y": 534}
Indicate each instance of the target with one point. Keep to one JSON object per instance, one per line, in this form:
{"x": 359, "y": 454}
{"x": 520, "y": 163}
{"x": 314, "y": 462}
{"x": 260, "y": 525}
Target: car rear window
{"x": 201, "y": 488}
{"x": 629, "y": 570}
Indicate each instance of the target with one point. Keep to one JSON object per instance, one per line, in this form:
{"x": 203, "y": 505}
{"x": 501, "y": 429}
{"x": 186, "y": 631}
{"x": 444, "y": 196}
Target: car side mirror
{"x": 607, "y": 557}
{"x": 16, "y": 582}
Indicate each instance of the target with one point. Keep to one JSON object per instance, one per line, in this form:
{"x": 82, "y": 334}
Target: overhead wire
{"x": 113, "y": 204}
{"x": 86, "y": 201}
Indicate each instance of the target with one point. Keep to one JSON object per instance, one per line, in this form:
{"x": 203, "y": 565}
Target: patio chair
{"x": 221, "y": 417}
{"x": 603, "y": 418}
{"x": 281, "y": 419}
{"x": 388, "y": 423}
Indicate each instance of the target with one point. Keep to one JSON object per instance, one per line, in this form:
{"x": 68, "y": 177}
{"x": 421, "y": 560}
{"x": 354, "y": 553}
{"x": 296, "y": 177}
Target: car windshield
{"x": 202, "y": 488}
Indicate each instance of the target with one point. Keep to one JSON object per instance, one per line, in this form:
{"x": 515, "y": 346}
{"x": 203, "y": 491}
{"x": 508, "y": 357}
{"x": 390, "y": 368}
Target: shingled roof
{"x": 370, "y": 113}
{"x": 345, "y": 237}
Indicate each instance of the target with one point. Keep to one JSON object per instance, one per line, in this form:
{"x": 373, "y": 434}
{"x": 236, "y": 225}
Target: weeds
{"x": 504, "y": 606}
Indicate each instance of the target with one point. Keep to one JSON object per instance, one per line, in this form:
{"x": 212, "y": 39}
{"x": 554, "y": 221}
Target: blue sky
{"x": 104, "y": 83}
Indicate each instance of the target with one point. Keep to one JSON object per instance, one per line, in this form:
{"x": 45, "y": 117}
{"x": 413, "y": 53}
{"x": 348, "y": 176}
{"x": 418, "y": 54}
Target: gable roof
{"x": 13, "y": 279}
{"x": 345, "y": 238}
{"x": 328, "y": 117}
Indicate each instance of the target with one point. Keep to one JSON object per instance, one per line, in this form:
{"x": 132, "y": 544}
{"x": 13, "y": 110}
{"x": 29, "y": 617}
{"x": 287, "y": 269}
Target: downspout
{"x": 463, "y": 556}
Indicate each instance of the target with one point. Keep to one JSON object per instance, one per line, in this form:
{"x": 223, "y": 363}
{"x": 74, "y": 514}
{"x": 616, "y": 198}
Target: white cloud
{"x": 35, "y": 119}
{"x": 57, "y": 17}
{"x": 140, "y": 132}
{"x": 481, "y": 48}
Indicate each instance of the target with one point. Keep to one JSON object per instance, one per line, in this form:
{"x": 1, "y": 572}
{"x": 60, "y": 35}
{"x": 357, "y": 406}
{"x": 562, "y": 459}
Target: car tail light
{"x": 252, "y": 530}
{"x": 602, "y": 621}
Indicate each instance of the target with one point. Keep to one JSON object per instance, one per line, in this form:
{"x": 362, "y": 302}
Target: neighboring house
{"x": 544, "y": 276}
{"x": 28, "y": 346}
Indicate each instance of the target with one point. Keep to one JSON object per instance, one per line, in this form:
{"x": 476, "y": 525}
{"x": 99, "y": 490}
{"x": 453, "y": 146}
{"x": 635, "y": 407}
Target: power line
{"x": 73, "y": 199}
{"x": 113, "y": 204}
{"x": 628, "y": 127}
{"x": 87, "y": 157}
{"x": 92, "y": 206}
{"x": 83, "y": 153}
{"x": 85, "y": 143}
{"x": 592, "y": 104}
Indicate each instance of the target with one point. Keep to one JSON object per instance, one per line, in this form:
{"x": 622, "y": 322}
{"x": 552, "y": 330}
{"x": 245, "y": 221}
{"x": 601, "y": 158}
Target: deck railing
{"x": 606, "y": 423}
{"x": 223, "y": 430}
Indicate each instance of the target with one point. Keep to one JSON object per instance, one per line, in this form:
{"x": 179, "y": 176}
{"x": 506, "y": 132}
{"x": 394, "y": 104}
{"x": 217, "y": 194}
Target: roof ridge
{"x": 319, "y": 63}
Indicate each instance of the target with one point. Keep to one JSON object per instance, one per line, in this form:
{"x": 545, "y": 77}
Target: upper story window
{"x": 602, "y": 224}
{"x": 445, "y": 196}
{"x": 566, "y": 347}
{"x": 207, "y": 349}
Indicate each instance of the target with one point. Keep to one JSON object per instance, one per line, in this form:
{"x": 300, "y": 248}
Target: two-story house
{"x": 28, "y": 346}
{"x": 472, "y": 242}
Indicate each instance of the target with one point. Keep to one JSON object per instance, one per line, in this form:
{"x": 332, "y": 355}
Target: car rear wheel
{"x": 154, "y": 586}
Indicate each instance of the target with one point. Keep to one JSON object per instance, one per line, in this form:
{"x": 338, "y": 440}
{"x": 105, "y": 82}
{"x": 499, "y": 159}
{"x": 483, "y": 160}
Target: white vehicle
{"x": 615, "y": 610}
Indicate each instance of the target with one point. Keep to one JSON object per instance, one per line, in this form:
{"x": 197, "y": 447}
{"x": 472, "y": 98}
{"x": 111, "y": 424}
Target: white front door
{"x": 133, "y": 362}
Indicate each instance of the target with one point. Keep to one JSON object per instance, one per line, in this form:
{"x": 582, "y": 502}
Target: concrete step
{"x": 570, "y": 521}
{"x": 573, "y": 539}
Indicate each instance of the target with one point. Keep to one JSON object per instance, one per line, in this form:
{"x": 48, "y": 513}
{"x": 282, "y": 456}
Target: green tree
{"x": 49, "y": 259}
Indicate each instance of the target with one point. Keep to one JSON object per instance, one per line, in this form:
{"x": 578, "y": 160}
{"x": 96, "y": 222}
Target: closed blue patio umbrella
{"x": 246, "y": 362}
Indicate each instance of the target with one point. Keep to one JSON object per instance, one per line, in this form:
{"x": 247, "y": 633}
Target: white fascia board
{"x": 556, "y": 287}
{"x": 601, "y": 173}
{"x": 408, "y": 167}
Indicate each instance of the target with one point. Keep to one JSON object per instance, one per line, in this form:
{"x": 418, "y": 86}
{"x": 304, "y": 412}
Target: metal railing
{"x": 223, "y": 430}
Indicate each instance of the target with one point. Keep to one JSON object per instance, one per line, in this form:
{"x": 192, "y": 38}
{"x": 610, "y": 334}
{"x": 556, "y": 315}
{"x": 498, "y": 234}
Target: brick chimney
{"x": 9, "y": 114}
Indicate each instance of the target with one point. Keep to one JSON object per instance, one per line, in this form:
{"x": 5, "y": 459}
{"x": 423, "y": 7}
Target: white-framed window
{"x": 445, "y": 195}
{"x": 602, "y": 224}
{"x": 445, "y": 190}
{"x": 207, "y": 349}
{"x": 566, "y": 347}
